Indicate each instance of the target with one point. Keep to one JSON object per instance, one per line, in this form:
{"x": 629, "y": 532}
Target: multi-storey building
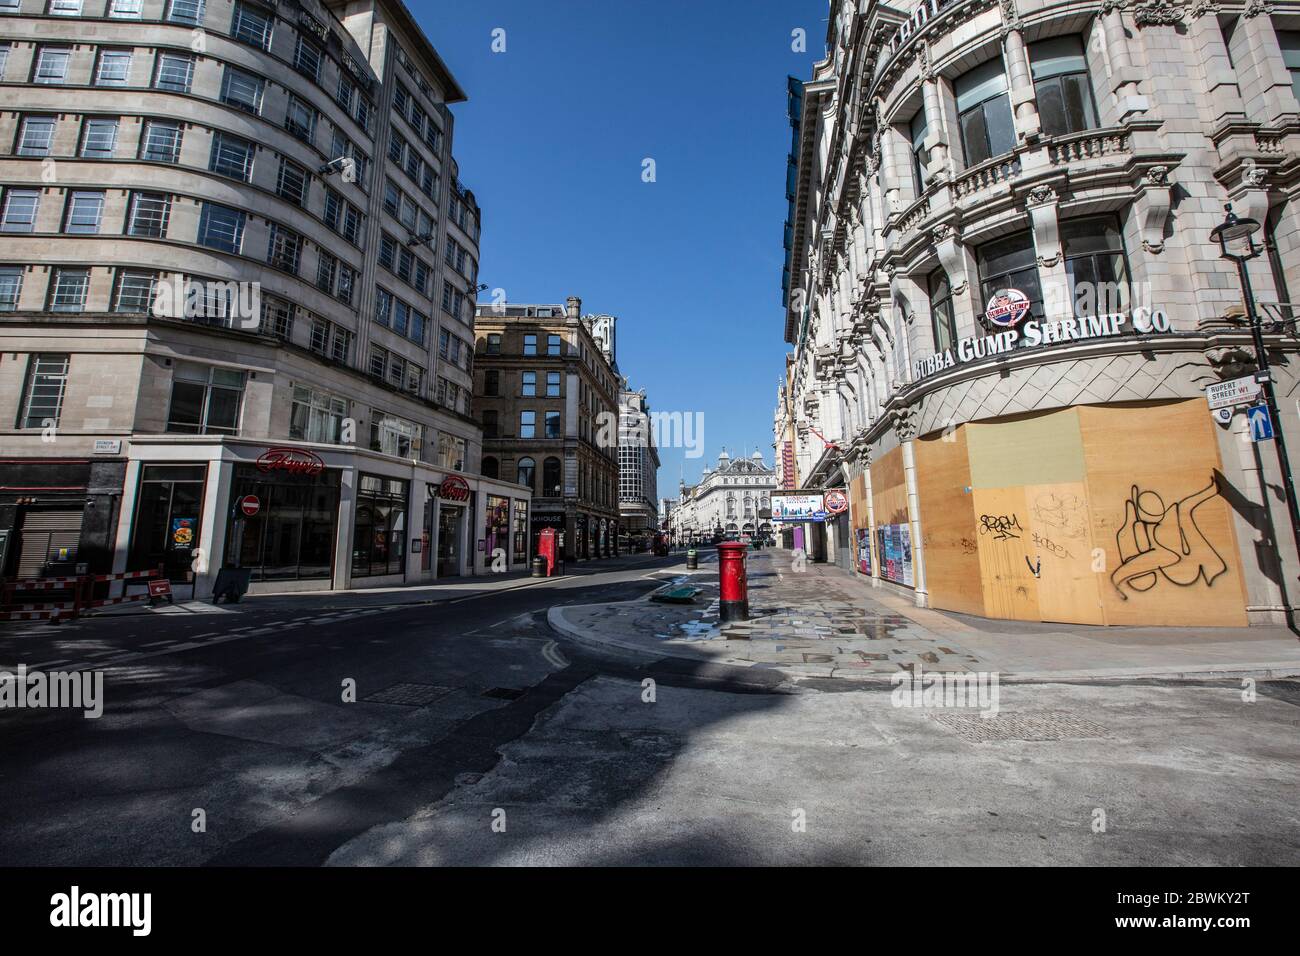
{"x": 237, "y": 272}
{"x": 638, "y": 467}
{"x": 546, "y": 387}
{"x": 1005, "y": 302}
{"x": 732, "y": 500}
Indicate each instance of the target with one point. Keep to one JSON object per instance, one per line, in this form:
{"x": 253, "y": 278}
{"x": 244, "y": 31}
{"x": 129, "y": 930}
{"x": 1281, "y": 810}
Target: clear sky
{"x": 552, "y": 142}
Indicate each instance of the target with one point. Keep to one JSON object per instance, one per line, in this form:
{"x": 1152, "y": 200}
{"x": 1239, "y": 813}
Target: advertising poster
{"x": 864, "y": 550}
{"x": 796, "y": 507}
{"x": 182, "y": 535}
{"x": 894, "y": 545}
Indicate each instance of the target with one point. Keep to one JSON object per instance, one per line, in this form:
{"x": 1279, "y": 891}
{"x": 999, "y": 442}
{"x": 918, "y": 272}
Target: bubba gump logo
{"x": 1007, "y": 307}
{"x": 296, "y": 461}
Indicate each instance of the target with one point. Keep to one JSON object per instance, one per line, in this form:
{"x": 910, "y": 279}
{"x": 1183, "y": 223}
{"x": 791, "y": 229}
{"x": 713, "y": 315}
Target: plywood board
{"x": 1153, "y": 483}
{"x": 1043, "y": 448}
{"x": 1008, "y": 584}
{"x": 888, "y": 489}
{"x": 1058, "y": 544}
{"x": 952, "y": 565}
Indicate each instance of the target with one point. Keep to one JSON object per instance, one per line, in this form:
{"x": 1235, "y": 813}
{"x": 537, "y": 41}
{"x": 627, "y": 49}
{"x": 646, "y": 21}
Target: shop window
{"x": 205, "y": 399}
{"x": 941, "y": 316}
{"x": 496, "y": 527}
{"x": 1094, "y": 265}
{"x": 47, "y": 381}
{"x": 379, "y": 541}
{"x": 551, "y": 471}
{"x": 168, "y": 514}
{"x": 491, "y": 468}
{"x": 317, "y": 416}
{"x": 526, "y": 472}
{"x": 919, "y": 129}
{"x": 1061, "y": 85}
{"x": 1011, "y": 263}
{"x": 521, "y": 531}
{"x": 984, "y": 112}
{"x": 292, "y": 537}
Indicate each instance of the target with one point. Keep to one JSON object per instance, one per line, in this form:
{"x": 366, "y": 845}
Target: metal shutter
{"x": 42, "y": 534}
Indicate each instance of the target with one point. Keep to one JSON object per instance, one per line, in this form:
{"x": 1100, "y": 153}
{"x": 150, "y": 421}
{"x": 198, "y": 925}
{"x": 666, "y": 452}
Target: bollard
{"x": 539, "y": 566}
{"x": 732, "y": 581}
{"x": 692, "y": 560}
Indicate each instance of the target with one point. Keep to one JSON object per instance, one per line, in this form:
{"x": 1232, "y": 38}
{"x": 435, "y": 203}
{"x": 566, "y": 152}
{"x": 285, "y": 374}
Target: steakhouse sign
{"x": 296, "y": 461}
{"x": 1037, "y": 332}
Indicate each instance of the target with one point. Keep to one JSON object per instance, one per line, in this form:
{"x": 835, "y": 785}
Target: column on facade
{"x": 936, "y": 140}
{"x": 1265, "y": 80}
{"x": 891, "y": 178}
{"x": 1020, "y": 81}
{"x": 1041, "y": 204}
{"x": 905, "y": 428}
{"x": 1124, "y": 73}
{"x": 959, "y": 266}
{"x": 1206, "y": 38}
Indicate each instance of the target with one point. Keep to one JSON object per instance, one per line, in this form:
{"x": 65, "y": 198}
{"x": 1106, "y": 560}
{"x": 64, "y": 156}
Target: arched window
{"x": 526, "y": 472}
{"x": 491, "y": 468}
{"x": 551, "y": 478}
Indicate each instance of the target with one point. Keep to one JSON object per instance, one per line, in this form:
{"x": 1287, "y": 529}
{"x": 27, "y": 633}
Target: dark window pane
{"x": 1078, "y": 102}
{"x": 974, "y": 136}
{"x": 1002, "y": 131}
{"x": 1051, "y": 107}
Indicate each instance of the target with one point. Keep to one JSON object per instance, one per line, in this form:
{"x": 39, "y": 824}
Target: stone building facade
{"x": 729, "y": 501}
{"x": 638, "y": 467}
{"x": 546, "y": 388}
{"x": 237, "y": 275}
{"x": 1005, "y": 305}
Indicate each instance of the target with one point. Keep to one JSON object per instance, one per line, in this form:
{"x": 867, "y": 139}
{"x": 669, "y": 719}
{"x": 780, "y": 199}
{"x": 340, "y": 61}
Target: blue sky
{"x": 552, "y": 142}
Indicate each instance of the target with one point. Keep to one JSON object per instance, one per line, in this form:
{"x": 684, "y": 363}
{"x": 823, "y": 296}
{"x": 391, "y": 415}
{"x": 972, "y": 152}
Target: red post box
{"x": 546, "y": 549}
{"x": 733, "y": 583}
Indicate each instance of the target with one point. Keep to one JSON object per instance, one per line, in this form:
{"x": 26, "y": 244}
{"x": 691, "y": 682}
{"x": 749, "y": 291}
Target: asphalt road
{"x": 478, "y": 737}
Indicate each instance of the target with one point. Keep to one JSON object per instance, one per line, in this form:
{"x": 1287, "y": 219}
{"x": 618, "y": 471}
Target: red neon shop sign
{"x": 296, "y": 461}
{"x": 454, "y": 488}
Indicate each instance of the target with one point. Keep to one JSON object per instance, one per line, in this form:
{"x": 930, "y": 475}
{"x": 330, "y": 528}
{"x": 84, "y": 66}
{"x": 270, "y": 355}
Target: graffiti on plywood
{"x": 1164, "y": 541}
{"x": 1001, "y": 527}
{"x": 1066, "y": 513}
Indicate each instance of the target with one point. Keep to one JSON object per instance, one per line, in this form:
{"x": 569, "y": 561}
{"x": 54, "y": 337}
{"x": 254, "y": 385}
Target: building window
{"x": 51, "y": 64}
{"x": 527, "y": 424}
{"x": 526, "y": 472}
{"x": 306, "y": 58}
{"x": 451, "y": 453}
{"x": 125, "y": 9}
{"x": 530, "y": 345}
{"x": 920, "y": 155}
{"x": 64, "y": 8}
{"x": 11, "y": 287}
{"x": 300, "y": 119}
{"x": 68, "y": 290}
{"x": 47, "y": 380}
{"x": 1011, "y": 263}
{"x": 394, "y": 436}
{"x": 84, "y": 214}
{"x": 231, "y": 157}
{"x": 984, "y": 111}
{"x": 221, "y": 227}
{"x": 36, "y": 136}
{"x": 135, "y": 291}
{"x": 552, "y": 384}
{"x": 552, "y": 345}
{"x": 317, "y": 416}
{"x": 252, "y": 25}
{"x": 491, "y": 423}
{"x": 491, "y": 468}
{"x": 175, "y": 72}
{"x": 492, "y": 383}
{"x": 149, "y": 213}
{"x": 494, "y": 344}
{"x": 277, "y": 317}
{"x": 1061, "y": 85}
{"x": 185, "y": 11}
{"x": 284, "y": 248}
{"x": 551, "y": 478}
{"x": 292, "y": 183}
{"x": 1289, "y": 41}
{"x": 113, "y": 68}
{"x": 99, "y": 139}
{"x": 205, "y": 400}
{"x": 1094, "y": 265}
{"x": 242, "y": 90}
{"x": 528, "y": 385}
{"x": 161, "y": 142}
{"x": 941, "y": 316}
{"x": 553, "y": 425}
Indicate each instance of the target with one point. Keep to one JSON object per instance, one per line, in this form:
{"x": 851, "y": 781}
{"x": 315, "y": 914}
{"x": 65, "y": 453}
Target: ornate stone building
{"x": 1005, "y": 305}
{"x": 729, "y": 501}
{"x": 236, "y": 296}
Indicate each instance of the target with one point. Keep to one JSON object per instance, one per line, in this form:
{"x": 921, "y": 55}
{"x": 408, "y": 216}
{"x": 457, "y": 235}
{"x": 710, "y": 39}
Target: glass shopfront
{"x": 496, "y": 527}
{"x": 167, "y": 518}
{"x": 379, "y": 542}
{"x": 450, "y": 520}
{"x": 521, "y": 532}
{"x": 291, "y": 535}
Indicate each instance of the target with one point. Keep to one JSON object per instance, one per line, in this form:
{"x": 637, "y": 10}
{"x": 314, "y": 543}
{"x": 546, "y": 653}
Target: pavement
{"x": 817, "y": 620}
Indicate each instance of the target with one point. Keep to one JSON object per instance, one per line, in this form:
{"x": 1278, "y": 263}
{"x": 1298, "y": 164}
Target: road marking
{"x": 553, "y": 656}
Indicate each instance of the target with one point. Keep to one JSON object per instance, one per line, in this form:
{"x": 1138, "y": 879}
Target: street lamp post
{"x": 1236, "y": 232}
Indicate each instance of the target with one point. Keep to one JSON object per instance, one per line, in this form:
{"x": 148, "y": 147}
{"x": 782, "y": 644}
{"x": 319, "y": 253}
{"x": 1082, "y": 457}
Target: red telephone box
{"x": 546, "y": 549}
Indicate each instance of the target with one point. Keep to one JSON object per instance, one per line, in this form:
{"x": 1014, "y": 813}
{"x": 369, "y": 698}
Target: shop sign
{"x": 454, "y": 488}
{"x": 1041, "y": 332}
{"x": 296, "y": 461}
{"x": 837, "y": 502}
{"x": 1239, "y": 391}
{"x": 249, "y": 505}
{"x": 797, "y": 507}
{"x": 1007, "y": 307}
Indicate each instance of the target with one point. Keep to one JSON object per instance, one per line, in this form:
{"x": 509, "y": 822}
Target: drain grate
{"x": 503, "y": 693}
{"x": 409, "y": 695}
{"x": 1048, "y": 726}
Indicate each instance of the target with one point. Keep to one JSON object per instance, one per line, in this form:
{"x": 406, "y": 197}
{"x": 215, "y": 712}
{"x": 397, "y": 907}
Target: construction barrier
{"x": 83, "y": 590}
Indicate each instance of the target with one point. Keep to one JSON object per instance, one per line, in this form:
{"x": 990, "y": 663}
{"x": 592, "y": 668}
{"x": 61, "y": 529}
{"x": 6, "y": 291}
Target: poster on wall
{"x": 894, "y": 545}
{"x": 797, "y": 507}
{"x": 864, "y": 550}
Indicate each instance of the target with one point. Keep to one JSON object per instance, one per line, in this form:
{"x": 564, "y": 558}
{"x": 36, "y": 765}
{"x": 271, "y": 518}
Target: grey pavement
{"x": 819, "y": 620}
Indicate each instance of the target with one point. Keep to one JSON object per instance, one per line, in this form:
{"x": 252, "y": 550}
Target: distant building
{"x": 729, "y": 500}
{"x": 638, "y": 465}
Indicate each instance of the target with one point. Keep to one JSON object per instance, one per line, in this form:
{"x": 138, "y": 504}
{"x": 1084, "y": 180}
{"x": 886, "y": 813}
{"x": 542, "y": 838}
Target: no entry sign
{"x": 249, "y": 505}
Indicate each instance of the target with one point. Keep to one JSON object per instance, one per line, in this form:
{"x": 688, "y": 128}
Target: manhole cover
{"x": 409, "y": 695}
{"x": 504, "y": 693}
{"x": 1055, "y": 726}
